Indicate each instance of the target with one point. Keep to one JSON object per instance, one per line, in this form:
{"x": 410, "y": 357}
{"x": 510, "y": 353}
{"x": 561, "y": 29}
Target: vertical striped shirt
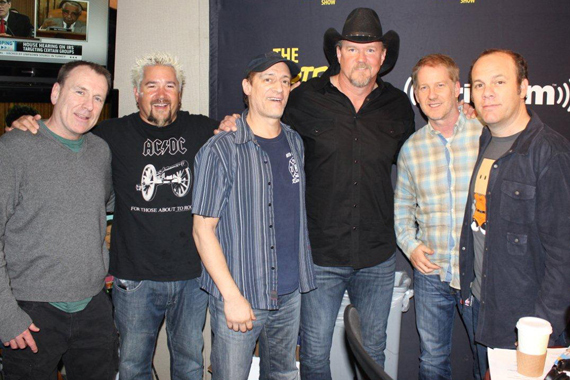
{"x": 234, "y": 183}
{"x": 431, "y": 192}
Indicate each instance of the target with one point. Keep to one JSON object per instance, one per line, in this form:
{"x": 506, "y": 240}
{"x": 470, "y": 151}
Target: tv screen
{"x": 41, "y": 35}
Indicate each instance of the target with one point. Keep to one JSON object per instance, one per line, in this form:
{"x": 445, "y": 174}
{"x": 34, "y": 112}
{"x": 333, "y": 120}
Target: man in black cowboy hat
{"x": 353, "y": 125}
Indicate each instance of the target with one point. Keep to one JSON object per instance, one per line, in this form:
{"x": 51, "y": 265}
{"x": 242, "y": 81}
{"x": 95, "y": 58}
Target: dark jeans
{"x": 86, "y": 341}
{"x": 481, "y": 362}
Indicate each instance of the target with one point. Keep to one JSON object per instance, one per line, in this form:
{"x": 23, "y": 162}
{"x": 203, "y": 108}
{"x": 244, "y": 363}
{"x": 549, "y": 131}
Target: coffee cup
{"x": 533, "y": 336}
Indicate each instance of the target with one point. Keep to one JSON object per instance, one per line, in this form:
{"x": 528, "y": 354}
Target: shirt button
{"x": 516, "y": 240}
{"x": 269, "y": 183}
{"x": 356, "y": 139}
{"x": 356, "y": 161}
{"x": 355, "y": 183}
{"x": 272, "y": 268}
{"x": 269, "y": 204}
{"x": 463, "y": 248}
{"x": 495, "y": 166}
{"x": 265, "y": 161}
{"x": 272, "y": 247}
{"x": 354, "y": 228}
{"x": 354, "y": 206}
{"x": 489, "y": 193}
{"x": 271, "y": 226}
{"x": 517, "y": 192}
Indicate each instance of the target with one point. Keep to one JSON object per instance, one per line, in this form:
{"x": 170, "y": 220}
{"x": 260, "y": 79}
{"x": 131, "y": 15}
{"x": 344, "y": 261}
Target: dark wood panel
{"x": 25, "y": 7}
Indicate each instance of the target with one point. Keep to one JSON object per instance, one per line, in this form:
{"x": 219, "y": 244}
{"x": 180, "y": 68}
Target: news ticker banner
{"x": 39, "y": 49}
{"x": 539, "y": 30}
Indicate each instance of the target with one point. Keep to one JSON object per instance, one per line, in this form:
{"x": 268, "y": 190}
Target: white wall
{"x": 180, "y": 27}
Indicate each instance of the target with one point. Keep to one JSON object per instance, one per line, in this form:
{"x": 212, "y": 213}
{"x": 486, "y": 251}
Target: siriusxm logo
{"x": 539, "y": 95}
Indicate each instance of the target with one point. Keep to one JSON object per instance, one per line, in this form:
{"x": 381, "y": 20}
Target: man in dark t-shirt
{"x": 153, "y": 256}
{"x": 250, "y": 227}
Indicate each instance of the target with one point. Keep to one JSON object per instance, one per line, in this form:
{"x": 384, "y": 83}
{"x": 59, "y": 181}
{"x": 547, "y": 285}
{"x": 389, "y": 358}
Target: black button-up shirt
{"x": 348, "y": 162}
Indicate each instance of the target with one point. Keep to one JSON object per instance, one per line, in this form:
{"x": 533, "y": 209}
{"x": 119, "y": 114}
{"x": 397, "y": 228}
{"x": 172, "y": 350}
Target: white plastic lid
{"x": 539, "y": 325}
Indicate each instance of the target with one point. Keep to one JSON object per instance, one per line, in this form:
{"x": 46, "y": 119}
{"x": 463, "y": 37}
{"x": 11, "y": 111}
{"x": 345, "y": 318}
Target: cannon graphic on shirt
{"x": 178, "y": 176}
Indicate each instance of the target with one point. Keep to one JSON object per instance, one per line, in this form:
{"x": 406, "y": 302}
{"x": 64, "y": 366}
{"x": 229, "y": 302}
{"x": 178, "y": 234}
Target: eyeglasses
{"x": 65, "y": 11}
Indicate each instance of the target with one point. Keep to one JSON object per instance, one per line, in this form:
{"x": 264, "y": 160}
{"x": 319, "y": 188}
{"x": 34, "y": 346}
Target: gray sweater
{"x": 52, "y": 223}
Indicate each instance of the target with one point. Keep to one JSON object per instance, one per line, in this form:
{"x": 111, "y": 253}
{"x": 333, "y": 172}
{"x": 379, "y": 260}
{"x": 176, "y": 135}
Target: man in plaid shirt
{"x": 434, "y": 170}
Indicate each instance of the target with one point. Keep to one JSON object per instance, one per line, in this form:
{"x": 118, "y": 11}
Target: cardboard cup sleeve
{"x": 530, "y": 365}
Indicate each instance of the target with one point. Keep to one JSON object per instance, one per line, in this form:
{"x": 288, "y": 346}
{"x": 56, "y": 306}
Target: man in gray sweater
{"x": 53, "y": 190}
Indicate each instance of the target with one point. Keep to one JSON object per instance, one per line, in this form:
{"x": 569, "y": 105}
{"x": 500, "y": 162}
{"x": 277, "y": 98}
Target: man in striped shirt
{"x": 434, "y": 169}
{"x": 250, "y": 227}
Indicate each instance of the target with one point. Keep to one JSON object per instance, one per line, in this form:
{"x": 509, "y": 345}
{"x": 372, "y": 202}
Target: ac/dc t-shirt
{"x": 285, "y": 172}
{"x": 151, "y": 237}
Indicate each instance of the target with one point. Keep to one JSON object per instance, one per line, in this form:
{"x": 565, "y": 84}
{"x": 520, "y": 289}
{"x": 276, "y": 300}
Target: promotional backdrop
{"x": 537, "y": 29}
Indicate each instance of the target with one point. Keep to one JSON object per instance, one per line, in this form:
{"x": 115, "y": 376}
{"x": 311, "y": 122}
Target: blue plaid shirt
{"x": 431, "y": 192}
{"x": 234, "y": 184}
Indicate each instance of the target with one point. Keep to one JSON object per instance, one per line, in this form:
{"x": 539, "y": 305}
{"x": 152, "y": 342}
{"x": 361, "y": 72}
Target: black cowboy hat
{"x": 363, "y": 25}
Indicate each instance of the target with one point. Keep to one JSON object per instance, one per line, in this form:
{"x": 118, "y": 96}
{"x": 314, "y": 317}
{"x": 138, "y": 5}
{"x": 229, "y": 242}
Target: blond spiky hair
{"x": 156, "y": 59}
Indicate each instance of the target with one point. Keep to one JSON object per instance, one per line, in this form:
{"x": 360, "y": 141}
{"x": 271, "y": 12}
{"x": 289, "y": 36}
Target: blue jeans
{"x": 435, "y": 303}
{"x": 139, "y": 312}
{"x": 370, "y": 291}
{"x": 277, "y": 331}
{"x": 481, "y": 361}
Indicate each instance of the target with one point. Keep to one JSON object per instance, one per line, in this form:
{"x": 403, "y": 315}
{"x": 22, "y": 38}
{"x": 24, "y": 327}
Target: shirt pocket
{"x": 516, "y": 244}
{"x": 518, "y": 202}
{"x": 319, "y": 126}
{"x": 313, "y": 127}
{"x": 321, "y": 129}
{"x": 320, "y": 138}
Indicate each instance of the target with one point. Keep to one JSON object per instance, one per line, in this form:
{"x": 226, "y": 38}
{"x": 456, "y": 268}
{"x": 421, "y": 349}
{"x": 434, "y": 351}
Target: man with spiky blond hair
{"x": 153, "y": 256}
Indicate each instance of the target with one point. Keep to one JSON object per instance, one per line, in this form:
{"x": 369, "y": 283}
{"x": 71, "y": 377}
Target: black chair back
{"x": 352, "y": 326}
